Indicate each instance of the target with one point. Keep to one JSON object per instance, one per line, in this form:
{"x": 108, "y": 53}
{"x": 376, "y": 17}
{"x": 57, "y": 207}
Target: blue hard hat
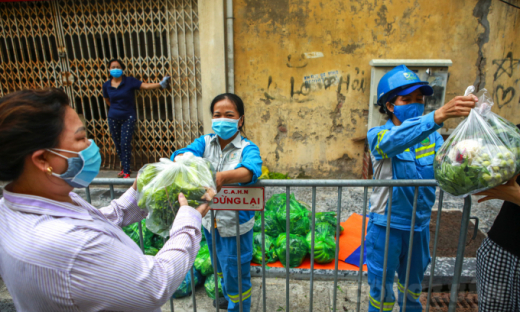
{"x": 400, "y": 81}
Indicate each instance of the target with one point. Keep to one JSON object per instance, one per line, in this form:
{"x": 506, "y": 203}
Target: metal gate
{"x": 68, "y": 43}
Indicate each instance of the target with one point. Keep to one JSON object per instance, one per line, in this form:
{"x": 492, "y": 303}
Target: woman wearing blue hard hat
{"x": 404, "y": 148}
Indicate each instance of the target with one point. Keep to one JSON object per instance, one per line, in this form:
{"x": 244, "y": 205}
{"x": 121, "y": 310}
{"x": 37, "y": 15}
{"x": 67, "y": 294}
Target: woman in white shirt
{"x": 57, "y": 252}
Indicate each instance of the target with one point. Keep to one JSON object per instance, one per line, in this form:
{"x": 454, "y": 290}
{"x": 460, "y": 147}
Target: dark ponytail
{"x": 30, "y": 120}
{"x": 385, "y": 111}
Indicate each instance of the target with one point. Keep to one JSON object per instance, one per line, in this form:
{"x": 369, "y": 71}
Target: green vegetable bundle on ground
{"x": 152, "y": 243}
{"x": 475, "y": 158}
{"x": 324, "y": 247}
{"x": 159, "y": 185}
{"x": 297, "y": 249}
{"x": 209, "y": 285}
{"x": 329, "y": 217}
{"x": 184, "y": 289}
{"x": 270, "y": 253}
{"x": 299, "y": 222}
{"x": 203, "y": 261}
{"x": 300, "y": 235}
{"x": 270, "y": 224}
{"x": 324, "y": 228}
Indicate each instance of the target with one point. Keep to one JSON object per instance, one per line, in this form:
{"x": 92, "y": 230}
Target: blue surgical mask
{"x": 225, "y": 128}
{"x": 81, "y": 169}
{"x": 405, "y": 112}
{"x": 116, "y": 72}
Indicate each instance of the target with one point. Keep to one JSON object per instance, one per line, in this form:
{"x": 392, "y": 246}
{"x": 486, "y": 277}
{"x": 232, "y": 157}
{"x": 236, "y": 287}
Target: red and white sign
{"x": 239, "y": 198}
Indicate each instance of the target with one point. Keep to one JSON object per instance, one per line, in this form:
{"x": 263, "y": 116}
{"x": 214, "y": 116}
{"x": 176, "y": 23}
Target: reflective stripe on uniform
{"x": 236, "y": 298}
{"x": 425, "y": 151}
{"x": 387, "y": 306}
{"x": 401, "y": 289}
{"x": 380, "y": 136}
{"x": 219, "y": 274}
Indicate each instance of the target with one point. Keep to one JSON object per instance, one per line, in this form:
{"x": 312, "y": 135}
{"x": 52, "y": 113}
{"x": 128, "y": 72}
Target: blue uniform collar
{"x": 237, "y": 141}
{"x": 389, "y": 123}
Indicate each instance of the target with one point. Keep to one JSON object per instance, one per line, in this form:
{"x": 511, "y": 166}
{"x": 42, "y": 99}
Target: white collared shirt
{"x": 57, "y": 256}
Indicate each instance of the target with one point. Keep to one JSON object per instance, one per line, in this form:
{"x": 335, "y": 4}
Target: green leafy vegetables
{"x": 209, "y": 285}
{"x": 159, "y": 185}
{"x": 203, "y": 261}
{"x": 482, "y": 152}
{"x": 152, "y": 243}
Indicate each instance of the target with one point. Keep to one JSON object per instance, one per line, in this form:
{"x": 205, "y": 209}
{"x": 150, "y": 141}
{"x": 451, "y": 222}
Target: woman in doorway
{"x": 120, "y": 97}
{"x": 236, "y": 160}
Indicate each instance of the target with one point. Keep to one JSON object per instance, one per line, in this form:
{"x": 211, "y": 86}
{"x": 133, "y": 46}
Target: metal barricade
{"x": 340, "y": 184}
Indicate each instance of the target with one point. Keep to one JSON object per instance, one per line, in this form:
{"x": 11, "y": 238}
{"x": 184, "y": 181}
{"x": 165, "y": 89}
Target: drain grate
{"x": 467, "y": 302}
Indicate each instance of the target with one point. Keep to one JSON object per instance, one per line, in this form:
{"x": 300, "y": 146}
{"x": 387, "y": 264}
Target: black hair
{"x": 116, "y": 60}
{"x": 30, "y": 120}
{"x": 239, "y": 104}
{"x": 384, "y": 110}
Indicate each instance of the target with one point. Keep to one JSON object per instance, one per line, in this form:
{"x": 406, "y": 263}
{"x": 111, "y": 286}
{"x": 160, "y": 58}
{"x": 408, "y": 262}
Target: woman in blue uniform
{"x": 236, "y": 160}
{"x": 404, "y": 148}
{"x": 120, "y": 98}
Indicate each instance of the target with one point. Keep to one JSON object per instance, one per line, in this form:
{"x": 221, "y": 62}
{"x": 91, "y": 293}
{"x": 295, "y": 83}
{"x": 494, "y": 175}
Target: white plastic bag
{"x": 159, "y": 185}
{"x": 475, "y": 158}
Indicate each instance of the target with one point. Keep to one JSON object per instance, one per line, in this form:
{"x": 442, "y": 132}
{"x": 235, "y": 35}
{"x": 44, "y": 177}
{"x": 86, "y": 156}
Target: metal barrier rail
{"x": 339, "y": 184}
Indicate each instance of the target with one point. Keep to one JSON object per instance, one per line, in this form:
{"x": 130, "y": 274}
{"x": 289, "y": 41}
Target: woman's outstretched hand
{"x": 509, "y": 192}
{"x": 203, "y": 209}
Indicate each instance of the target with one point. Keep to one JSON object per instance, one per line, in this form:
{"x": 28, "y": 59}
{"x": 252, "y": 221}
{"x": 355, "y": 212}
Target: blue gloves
{"x": 164, "y": 82}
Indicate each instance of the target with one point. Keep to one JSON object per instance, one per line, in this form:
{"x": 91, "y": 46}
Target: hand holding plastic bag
{"x": 474, "y": 158}
{"x": 159, "y": 185}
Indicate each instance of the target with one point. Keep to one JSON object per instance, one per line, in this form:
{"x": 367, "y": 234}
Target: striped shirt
{"x": 56, "y": 256}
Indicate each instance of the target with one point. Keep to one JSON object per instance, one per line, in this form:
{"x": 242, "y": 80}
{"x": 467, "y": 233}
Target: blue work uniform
{"x": 239, "y": 153}
{"x": 401, "y": 152}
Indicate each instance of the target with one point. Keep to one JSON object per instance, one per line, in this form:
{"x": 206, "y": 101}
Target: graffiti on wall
{"x": 330, "y": 80}
{"x": 504, "y": 94}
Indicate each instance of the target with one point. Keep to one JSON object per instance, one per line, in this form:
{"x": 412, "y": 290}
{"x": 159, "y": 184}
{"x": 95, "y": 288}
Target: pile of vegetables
{"x": 297, "y": 249}
{"x": 481, "y": 153}
{"x": 209, "y": 285}
{"x": 152, "y": 242}
{"x": 266, "y": 174}
{"x": 270, "y": 253}
{"x": 275, "y": 216}
{"x": 324, "y": 247}
{"x": 159, "y": 185}
{"x": 184, "y": 289}
{"x": 203, "y": 261}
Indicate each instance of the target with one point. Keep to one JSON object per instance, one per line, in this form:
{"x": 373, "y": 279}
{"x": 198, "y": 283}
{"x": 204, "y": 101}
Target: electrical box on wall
{"x": 433, "y": 71}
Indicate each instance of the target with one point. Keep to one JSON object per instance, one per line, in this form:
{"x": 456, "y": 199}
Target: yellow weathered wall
{"x": 308, "y": 131}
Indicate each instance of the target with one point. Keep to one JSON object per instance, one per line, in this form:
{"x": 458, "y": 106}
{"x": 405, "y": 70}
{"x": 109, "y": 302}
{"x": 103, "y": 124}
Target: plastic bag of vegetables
{"x": 275, "y": 201}
{"x": 297, "y": 249}
{"x": 209, "y": 285}
{"x": 270, "y": 253}
{"x": 324, "y": 247}
{"x": 299, "y": 223}
{"x": 329, "y": 217}
{"x": 152, "y": 243}
{"x": 271, "y": 223}
{"x": 506, "y": 131}
{"x": 474, "y": 158}
{"x": 203, "y": 261}
{"x": 159, "y": 185}
{"x": 184, "y": 289}
{"x": 324, "y": 228}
